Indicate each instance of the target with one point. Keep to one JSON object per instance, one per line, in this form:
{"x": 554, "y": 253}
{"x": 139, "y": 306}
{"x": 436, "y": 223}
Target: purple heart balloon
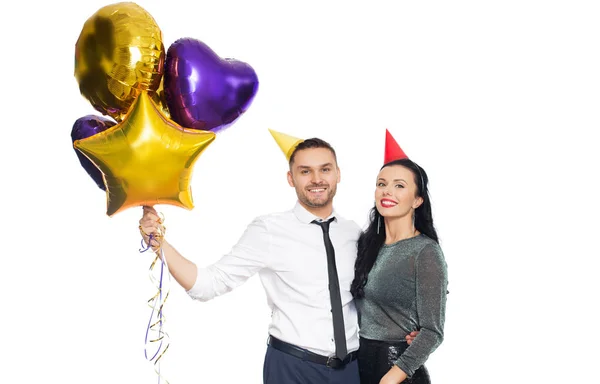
{"x": 85, "y": 127}
{"x": 204, "y": 91}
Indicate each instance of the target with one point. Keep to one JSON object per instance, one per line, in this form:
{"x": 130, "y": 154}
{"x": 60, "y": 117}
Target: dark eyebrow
{"x": 381, "y": 178}
{"x": 318, "y": 166}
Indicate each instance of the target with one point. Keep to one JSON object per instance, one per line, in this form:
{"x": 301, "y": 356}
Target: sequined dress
{"x": 405, "y": 291}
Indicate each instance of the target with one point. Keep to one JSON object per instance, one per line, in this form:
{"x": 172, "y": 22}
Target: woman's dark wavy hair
{"x": 371, "y": 240}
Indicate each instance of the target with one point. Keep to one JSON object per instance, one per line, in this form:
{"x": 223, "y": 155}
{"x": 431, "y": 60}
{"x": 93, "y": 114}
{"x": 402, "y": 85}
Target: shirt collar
{"x": 306, "y": 217}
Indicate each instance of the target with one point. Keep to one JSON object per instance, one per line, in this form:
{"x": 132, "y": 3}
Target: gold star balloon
{"x": 119, "y": 54}
{"x": 160, "y": 99}
{"x": 146, "y": 159}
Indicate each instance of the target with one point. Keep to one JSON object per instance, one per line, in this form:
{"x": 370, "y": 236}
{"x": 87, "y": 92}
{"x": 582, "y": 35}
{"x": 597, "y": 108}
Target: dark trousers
{"x": 281, "y": 368}
{"x": 375, "y": 358}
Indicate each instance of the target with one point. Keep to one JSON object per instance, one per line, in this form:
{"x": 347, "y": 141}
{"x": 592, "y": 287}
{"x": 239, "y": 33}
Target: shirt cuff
{"x": 200, "y": 291}
{"x": 402, "y": 365}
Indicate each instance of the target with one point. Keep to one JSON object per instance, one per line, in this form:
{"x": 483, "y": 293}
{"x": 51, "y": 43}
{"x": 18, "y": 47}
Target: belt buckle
{"x": 333, "y": 362}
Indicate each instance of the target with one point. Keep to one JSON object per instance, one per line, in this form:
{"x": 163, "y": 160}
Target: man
{"x": 305, "y": 260}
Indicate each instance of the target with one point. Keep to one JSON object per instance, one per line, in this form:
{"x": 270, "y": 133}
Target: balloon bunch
{"x": 162, "y": 108}
{"x": 161, "y": 111}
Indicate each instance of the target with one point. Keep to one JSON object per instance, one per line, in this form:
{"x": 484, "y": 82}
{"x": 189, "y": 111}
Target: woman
{"x": 400, "y": 277}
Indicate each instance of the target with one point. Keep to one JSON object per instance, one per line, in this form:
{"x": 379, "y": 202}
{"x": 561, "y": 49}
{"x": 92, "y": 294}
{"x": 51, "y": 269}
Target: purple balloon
{"x": 85, "y": 127}
{"x": 204, "y": 91}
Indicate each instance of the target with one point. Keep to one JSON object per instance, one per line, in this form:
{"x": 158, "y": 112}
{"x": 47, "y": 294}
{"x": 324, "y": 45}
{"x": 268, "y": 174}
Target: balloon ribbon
{"x": 155, "y": 332}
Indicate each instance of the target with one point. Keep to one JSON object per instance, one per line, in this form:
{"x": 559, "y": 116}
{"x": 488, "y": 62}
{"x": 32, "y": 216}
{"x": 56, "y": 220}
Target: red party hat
{"x": 392, "y": 149}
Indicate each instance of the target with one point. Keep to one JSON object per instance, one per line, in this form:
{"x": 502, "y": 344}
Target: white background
{"x": 497, "y": 100}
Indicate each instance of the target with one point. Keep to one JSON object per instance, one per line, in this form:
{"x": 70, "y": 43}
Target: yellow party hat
{"x": 287, "y": 143}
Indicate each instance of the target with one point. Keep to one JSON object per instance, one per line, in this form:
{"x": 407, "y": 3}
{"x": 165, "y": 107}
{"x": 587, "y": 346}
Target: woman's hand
{"x": 394, "y": 376}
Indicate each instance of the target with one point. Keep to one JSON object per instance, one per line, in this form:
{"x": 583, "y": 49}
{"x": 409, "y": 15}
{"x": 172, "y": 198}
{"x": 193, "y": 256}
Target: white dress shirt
{"x": 288, "y": 253}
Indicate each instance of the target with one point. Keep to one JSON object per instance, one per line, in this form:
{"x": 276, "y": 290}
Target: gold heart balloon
{"x": 119, "y": 54}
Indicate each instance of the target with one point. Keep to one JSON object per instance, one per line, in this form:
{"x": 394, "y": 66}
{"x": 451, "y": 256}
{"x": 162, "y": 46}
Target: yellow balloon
{"x": 118, "y": 54}
{"x": 160, "y": 98}
{"x": 146, "y": 159}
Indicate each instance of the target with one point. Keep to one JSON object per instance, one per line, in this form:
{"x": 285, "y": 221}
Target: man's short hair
{"x": 313, "y": 142}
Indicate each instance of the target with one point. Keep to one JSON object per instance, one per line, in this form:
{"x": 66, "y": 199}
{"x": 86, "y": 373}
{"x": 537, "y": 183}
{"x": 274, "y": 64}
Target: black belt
{"x": 301, "y": 353}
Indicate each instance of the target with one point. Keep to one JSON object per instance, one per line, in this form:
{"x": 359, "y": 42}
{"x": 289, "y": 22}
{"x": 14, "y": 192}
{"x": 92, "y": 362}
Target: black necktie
{"x": 339, "y": 333}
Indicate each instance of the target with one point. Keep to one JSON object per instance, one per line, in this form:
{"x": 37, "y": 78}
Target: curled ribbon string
{"x": 155, "y": 332}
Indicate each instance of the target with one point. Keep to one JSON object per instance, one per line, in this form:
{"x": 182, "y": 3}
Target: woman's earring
{"x": 378, "y": 223}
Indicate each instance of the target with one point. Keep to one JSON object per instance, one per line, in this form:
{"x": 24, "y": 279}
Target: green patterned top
{"x": 406, "y": 291}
